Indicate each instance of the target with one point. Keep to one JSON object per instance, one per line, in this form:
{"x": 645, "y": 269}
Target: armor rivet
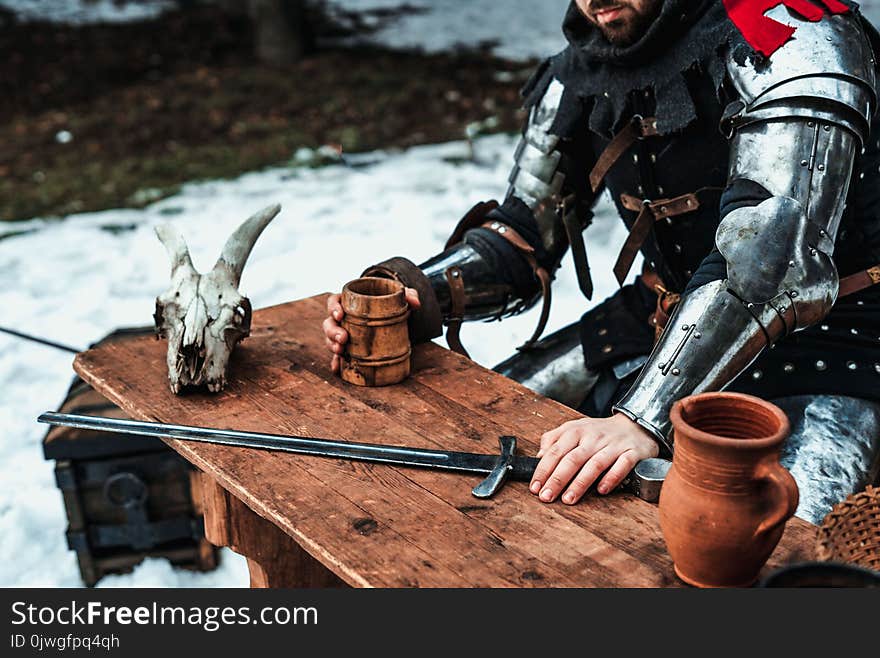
{"x": 602, "y": 331}
{"x": 810, "y": 124}
{"x": 877, "y": 368}
{"x": 688, "y": 274}
{"x": 653, "y": 158}
{"x": 641, "y": 190}
{"x": 821, "y": 365}
{"x": 495, "y": 225}
{"x": 824, "y": 327}
{"x": 636, "y": 158}
{"x": 607, "y": 348}
{"x": 862, "y": 175}
{"x": 503, "y": 229}
{"x": 791, "y": 263}
{"x": 698, "y": 335}
{"x": 455, "y": 274}
{"x": 822, "y": 232}
{"x": 757, "y": 375}
{"x": 821, "y": 167}
{"x": 677, "y": 248}
{"x": 804, "y": 163}
{"x": 827, "y": 129}
{"x": 676, "y": 372}
{"x": 813, "y": 252}
{"x": 750, "y": 305}
{"x": 685, "y": 327}
{"x": 793, "y": 294}
{"x": 852, "y": 365}
{"x": 661, "y": 366}
{"x": 860, "y": 303}
{"x": 854, "y": 332}
{"x": 669, "y": 221}
{"x": 788, "y": 367}
{"x": 659, "y": 189}
{"x": 606, "y": 94}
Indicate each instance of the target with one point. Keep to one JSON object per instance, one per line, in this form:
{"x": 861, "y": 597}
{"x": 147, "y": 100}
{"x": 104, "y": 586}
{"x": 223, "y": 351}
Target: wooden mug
{"x": 378, "y": 349}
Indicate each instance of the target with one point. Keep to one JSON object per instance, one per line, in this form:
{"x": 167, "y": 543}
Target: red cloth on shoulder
{"x": 766, "y": 35}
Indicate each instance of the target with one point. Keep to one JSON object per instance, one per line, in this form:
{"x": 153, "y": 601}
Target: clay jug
{"x": 378, "y": 349}
{"x": 726, "y": 499}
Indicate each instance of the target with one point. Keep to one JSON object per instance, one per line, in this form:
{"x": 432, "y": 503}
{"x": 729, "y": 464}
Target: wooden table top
{"x": 382, "y": 526}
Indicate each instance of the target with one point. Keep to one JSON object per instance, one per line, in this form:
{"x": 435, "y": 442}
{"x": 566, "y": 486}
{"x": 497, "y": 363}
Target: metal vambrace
{"x": 780, "y": 276}
{"x": 491, "y": 265}
{"x": 486, "y": 293}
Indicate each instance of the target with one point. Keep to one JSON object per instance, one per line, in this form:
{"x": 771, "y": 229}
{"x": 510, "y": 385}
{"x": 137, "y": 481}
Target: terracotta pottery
{"x": 378, "y": 349}
{"x": 726, "y": 499}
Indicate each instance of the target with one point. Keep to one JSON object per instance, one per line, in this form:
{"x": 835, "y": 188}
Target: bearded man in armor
{"x": 738, "y": 142}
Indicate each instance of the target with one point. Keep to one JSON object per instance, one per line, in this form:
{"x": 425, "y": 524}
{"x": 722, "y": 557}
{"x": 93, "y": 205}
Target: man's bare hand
{"x": 576, "y": 453}
{"x": 335, "y": 337}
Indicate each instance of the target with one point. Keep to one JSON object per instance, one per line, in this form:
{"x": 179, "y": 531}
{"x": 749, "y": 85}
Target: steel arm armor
{"x": 795, "y": 131}
{"x": 497, "y": 279}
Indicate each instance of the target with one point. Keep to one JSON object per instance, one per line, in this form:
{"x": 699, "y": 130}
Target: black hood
{"x": 686, "y": 34}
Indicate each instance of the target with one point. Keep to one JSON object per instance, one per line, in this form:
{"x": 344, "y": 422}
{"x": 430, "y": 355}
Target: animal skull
{"x": 203, "y": 316}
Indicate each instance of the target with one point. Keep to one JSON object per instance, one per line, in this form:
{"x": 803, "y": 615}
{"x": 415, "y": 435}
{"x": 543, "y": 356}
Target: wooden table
{"x": 309, "y": 521}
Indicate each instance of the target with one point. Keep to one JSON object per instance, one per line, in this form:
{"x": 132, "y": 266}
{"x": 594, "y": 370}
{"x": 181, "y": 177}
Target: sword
{"x": 644, "y": 481}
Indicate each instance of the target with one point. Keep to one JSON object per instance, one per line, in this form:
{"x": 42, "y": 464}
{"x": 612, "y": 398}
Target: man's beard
{"x": 624, "y": 31}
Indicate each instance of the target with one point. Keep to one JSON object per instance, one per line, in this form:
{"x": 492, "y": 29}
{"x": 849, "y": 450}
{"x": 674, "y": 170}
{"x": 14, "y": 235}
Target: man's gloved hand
{"x": 336, "y": 337}
{"x": 576, "y": 453}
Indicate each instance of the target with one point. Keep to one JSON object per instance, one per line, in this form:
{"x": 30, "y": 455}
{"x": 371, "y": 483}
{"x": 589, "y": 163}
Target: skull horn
{"x": 238, "y": 246}
{"x": 176, "y": 247}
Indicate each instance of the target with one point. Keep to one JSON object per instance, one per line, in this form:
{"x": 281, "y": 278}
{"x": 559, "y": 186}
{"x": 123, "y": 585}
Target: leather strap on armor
{"x": 425, "y": 322}
{"x": 472, "y": 219}
{"x": 649, "y": 212}
{"x": 542, "y": 275}
{"x": 574, "y": 231}
{"x": 476, "y": 218}
{"x": 666, "y": 300}
{"x": 456, "y": 314}
{"x": 859, "y": 281}
{"x": 638, "y": 128}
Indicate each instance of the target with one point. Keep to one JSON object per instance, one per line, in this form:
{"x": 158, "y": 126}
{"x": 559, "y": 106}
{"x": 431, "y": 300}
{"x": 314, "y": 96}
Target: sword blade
{"x": 521, "y": 468}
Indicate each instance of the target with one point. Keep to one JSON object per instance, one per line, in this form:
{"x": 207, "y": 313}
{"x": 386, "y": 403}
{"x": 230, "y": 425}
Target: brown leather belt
{"x": 638, "y": 128}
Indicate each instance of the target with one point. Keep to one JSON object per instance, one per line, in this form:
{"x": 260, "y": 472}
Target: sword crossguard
{"x": 495, "y": 480}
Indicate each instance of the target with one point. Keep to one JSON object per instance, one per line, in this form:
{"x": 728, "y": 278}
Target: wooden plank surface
{"x": 376, "y": 525}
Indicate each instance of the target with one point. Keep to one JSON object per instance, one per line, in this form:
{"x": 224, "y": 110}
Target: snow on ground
{"x": 523, "y": 29}
{"x": 78, "y": 12}
{"x": 75, "y": 280}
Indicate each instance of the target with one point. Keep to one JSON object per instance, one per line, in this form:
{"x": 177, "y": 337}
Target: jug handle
{"x": 785, "y": 495}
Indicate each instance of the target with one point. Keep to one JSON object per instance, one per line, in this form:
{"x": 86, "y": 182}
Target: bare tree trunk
{"x": 282, "y": 31}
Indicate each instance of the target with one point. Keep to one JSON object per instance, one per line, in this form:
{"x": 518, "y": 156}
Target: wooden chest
{"x": 126, "y": 497}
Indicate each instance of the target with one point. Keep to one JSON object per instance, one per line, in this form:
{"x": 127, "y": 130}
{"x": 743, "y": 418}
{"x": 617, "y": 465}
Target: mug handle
{"x": 785, "y": 495}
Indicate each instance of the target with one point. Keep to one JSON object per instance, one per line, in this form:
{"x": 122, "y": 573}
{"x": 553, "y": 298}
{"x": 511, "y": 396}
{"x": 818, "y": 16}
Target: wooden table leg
{"x": 274, "y": 558}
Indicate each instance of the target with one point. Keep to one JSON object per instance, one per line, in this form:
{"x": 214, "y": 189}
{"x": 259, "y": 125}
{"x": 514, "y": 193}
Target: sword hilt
{"x": 645, "y": 480}
{"x": 502, "y": 470}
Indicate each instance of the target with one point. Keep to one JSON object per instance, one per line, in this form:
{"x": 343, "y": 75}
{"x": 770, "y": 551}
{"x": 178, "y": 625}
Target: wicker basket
{"x": 851, "y": 531}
